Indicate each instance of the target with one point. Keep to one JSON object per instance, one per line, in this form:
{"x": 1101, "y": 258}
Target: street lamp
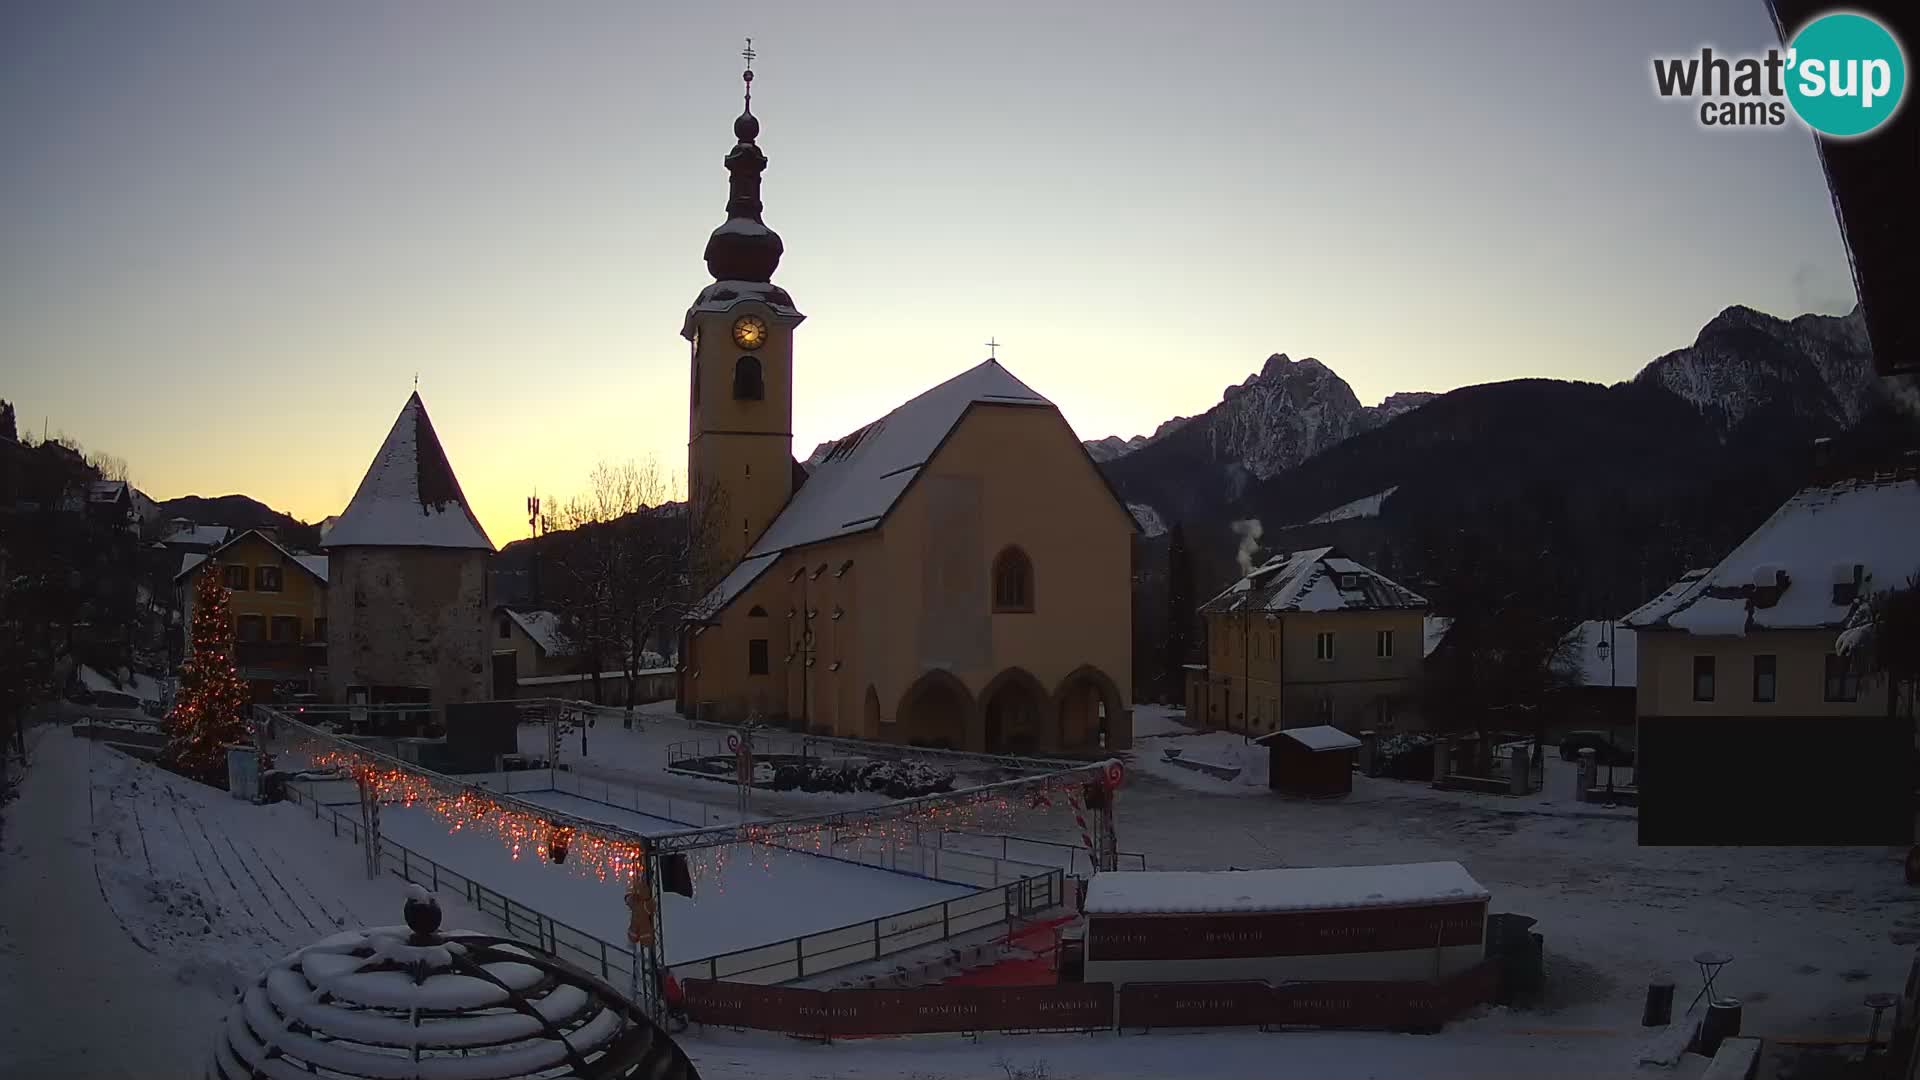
{"x": 1605, "y": 649}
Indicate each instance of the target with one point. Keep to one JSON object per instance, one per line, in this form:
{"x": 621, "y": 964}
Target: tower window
{"x": 757, "y": 656}
{"x": 1013, "y": 581}
{"x": 747, "y": 384}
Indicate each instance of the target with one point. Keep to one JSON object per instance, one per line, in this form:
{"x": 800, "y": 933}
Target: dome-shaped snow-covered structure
{"x": 411, "y": 1003}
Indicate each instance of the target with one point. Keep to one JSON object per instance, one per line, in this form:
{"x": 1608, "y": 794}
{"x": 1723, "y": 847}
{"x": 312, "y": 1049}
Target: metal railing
{"x": 872, "y": 939}
{"x": 520, "y": 919}
{"x": 1072, "y": 858}
{"x": 1003, "y": 893}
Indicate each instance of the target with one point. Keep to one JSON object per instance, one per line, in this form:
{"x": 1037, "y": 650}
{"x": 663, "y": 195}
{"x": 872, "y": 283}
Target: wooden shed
{"x": 1316, "y": 762}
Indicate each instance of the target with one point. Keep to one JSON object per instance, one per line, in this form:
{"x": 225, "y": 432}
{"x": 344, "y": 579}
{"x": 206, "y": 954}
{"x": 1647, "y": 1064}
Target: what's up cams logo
{"x": 1843, "y": 75}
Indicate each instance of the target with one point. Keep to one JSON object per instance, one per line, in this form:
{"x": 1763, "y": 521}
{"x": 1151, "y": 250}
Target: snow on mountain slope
{"x": 1819, "y": 366}
{"x": 1281, "y": 415}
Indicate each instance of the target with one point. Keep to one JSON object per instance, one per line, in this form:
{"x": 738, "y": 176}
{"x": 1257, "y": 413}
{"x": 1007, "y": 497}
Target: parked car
{"x": 1605, "y": 750}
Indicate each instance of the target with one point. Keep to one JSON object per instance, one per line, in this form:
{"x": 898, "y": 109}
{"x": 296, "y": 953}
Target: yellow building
{"x": 1310, "y": 638}
{"x": 956, "y": 573}
{"x": 1757, "y": 635}
{"x": 278, "y": 604}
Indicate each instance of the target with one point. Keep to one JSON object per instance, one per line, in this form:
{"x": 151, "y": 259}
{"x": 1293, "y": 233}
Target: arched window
{"x": 1012, "y": 581}
{"x": 747, "y": 384}
{"x": 757, "y": 612}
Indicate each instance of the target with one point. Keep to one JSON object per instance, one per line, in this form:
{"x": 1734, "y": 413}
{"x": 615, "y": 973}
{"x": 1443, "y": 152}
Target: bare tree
{"x": 631, "y": 565}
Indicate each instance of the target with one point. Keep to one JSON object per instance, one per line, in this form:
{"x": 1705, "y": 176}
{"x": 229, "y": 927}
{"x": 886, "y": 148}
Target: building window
{"x": 757, "y": 656}
{"x": 320, "y": 630}
{"x": 757, "y": 612}
{"x": 747, "y": 384}
{"x": 1764, "y": 677}
{"x": 284, "y": 630}
{"x": 1842, "y": 683}
{"x": 1323, "y": 645}
{"x": 1703, "y": 678}
{"x": 234, "y": 578}
{"x": 1383, "y": 644}
{"x": 249, "y": 628}
{"x": 1013, "y": 581}
{"x": 266, "y": 579}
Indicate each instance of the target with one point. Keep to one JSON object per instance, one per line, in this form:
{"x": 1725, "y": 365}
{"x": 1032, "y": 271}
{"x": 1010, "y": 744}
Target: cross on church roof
{"x": 993, "y": 348}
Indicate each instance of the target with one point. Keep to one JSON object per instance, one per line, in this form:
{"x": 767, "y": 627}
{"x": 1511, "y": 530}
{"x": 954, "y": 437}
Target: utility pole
{"x": 533, "y": 532}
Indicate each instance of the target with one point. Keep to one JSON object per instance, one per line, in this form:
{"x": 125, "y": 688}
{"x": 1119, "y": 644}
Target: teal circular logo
{"x": 1845, "y": 74}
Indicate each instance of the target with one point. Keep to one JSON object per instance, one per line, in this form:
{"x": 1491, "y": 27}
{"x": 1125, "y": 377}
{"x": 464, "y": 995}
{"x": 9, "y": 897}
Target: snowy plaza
{"x": 174, "y": 894}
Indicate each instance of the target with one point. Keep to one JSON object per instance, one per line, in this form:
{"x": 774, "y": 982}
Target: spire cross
{"x": 748, "y": 54}
{"x": 993, "y": 348}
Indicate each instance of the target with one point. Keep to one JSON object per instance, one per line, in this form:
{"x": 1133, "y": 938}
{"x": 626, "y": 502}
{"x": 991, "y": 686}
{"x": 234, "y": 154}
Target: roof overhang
{"x": 1872, "y": 179}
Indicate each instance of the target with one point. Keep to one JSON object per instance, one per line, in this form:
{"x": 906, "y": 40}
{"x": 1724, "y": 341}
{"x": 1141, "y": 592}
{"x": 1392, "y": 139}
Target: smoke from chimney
{"x": 1249, "y": 533}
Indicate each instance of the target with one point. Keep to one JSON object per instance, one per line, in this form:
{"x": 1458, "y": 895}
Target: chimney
{"x": 1822, "y": 453}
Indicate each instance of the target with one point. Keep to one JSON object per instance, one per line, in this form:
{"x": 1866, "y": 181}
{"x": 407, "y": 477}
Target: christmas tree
{"x": 209, "y": 713}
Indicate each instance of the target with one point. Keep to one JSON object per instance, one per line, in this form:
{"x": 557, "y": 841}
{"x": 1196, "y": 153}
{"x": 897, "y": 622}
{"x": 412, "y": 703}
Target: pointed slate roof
{"x": 409, "y": 497}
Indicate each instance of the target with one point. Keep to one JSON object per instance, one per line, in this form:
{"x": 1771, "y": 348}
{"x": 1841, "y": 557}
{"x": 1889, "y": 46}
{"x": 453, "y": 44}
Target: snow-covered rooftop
{"x": 1813, "y": 543}
{"x": 144, "y": 687}
{"x": 312, "y": 564}
{"x": 1435, "y": 627}
{"x": 744, "y": 573}
{"x": 865, "y": 473}
{"x": 1312, "y": 580}
{"x": 200, "y": 535}
{"x": 1365, "y": 507}
{"x": 1155, "y": 892}
{"x": 544, "y": 628}
{"x": 410, "y": 496}
{"x": 1583, "y": 663}
{"x": 1316, "y": 738}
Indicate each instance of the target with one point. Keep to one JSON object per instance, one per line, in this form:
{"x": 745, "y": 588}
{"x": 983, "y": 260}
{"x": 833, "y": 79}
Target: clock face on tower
{"x": 749, "y": 332}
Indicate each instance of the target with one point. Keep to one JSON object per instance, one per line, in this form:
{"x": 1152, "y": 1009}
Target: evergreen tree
{"x": 1180, "y": 615}
{"x": 209, "y": 713}
{"x": 8, "y": 428}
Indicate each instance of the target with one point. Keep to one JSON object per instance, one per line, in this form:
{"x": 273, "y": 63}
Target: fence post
{"x": 876, "y": 935}
{"x": 603, "y": 960}
{"x": 800, "y": 960}
{"x": 406, "y": 869}
{"x": 946, "y": 921}
{"x": 436, "y": 874}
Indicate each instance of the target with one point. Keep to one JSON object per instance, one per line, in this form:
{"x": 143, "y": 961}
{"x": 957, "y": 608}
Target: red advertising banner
{"x": 1221, "y": 1004}
{"x": 1301, "y": 933}
{"x": 823, "y": 1014}
{"x": 1397, "y": 1006}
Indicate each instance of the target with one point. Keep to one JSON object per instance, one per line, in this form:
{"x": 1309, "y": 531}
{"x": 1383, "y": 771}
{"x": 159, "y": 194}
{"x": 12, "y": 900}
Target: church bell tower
{"x": 740, "y": 419}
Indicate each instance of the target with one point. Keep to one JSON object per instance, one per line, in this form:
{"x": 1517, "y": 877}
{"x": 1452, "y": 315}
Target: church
{"x": 957, "y": 573}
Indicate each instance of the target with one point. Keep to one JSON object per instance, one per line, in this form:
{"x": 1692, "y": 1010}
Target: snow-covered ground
{"x": 745, "y": 895}
{"x": 85, "y": 932}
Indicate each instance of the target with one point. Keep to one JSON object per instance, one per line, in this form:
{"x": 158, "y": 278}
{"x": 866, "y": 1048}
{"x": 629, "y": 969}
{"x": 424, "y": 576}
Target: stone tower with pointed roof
{"x": 956, "y": 573}
{"x": 408, "y": 600}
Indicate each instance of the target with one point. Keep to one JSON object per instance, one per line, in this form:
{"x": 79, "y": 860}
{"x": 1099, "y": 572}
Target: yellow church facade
{"x": 957, "y": 573}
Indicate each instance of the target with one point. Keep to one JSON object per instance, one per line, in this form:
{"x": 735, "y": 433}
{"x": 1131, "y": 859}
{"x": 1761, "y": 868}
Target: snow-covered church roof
{"x": 865, "y": 473}
{"x": 1317, "y": 579}
{"x": 1827, "y": 549}
{"x": 409, "y": 497}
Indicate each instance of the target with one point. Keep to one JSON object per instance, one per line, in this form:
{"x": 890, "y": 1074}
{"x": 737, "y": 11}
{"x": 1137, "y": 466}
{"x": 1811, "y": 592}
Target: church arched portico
{"x": 1013, "y": 714}
{"x": 1086, "y": 703}
{"x": 936, "y": 710}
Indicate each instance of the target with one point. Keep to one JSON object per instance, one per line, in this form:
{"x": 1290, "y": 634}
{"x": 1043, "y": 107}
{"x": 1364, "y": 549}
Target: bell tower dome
{"x": 740, "y": 401}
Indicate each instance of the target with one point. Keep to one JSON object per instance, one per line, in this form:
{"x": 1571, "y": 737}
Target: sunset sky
{"x": 231, "y": 234}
